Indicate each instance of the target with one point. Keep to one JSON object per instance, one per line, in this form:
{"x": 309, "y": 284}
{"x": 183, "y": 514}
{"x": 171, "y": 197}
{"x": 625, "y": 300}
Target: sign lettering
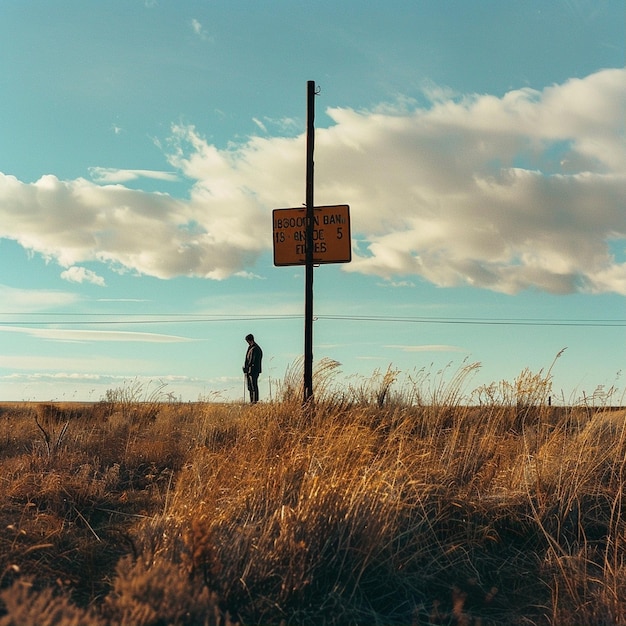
{"x": 331, "y": 235}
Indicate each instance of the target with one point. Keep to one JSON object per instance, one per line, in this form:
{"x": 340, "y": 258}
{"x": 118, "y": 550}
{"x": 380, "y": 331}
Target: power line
{"x": 150, "y": 319}
{"x": 187, "y": 318}
{"x": 482, "y": 321}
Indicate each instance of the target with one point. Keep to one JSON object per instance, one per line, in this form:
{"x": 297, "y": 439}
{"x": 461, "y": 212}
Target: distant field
{"x": 376, "y": 511}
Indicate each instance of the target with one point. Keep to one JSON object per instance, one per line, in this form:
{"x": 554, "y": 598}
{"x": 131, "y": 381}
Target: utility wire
{"x": 481, "y": 321}
{"x": 185, "y": 318}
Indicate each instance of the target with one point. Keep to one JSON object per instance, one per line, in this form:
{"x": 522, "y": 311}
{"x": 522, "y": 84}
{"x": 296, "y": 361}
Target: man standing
{"x": 252, "y": 368}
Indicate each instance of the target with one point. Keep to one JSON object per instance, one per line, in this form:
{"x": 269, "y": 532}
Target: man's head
{"x": 250, "y": 338}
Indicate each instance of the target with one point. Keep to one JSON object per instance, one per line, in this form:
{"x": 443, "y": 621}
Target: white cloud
{"x": 199, "y": 30}
{"x": 122, "y": 300}
{"x": 429, "y": 348}
{"x": 59, "y": 363}
{"x": 62, "y": 334}
{"x": 112, "y": 175}
{"x": 120, "y": 381}
{"x": 260, "y": 124}
{"x": 522, "y": 191}
{"x": 73, "y": 222}
{"x": 28, "y": 300}
{"x": 77, "y": 274}
{"x": 21, "y": 377}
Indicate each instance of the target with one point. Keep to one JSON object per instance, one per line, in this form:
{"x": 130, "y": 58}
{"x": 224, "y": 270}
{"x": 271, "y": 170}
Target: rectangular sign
{"x": 331, "y": 235}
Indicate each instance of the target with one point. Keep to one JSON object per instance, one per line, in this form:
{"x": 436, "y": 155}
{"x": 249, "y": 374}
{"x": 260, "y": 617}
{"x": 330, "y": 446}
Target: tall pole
{"x": 308, "y": 279}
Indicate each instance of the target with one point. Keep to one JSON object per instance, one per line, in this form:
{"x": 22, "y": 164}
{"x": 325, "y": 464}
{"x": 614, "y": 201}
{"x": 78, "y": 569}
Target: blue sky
{"x": 145, "y": 143}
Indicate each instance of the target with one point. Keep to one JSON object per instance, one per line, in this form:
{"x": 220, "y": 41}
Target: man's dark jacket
{"x": 254, "y": 356}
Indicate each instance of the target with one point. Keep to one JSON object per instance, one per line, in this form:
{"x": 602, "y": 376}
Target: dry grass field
{"x": 375, "y": 507}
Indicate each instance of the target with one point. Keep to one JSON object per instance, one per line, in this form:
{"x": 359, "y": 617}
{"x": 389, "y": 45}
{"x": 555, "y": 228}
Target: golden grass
{"x": 375, "y": 507}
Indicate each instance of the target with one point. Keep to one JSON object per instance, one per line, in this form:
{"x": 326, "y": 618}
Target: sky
{"x": 144, "y": 144}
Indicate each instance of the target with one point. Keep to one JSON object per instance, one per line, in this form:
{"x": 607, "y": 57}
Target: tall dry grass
{"x": 390, "y": 502}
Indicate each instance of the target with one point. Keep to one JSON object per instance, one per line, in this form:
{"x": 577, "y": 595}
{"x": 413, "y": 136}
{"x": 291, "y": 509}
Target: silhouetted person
{"x": 252, "y": 367}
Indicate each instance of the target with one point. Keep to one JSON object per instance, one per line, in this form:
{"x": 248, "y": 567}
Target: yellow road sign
{"x": 331, "y": 235}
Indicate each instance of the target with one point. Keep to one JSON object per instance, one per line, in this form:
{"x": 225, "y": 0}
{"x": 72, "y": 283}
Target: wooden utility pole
{"x": 311, "y": 236}
{"x": 308, "y": 278}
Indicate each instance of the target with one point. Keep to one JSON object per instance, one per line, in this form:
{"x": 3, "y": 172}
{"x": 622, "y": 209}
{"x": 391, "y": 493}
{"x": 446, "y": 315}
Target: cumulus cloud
{"x": 483, "y": 191}
{"x": 72, "y": 222}
{"x": 505, "y": 193}
{"x": 77, "y": 274}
